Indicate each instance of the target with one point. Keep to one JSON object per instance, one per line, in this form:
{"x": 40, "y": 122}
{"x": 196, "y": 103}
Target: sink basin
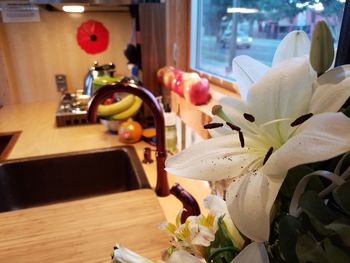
{"x": 7, "y": 141}
{"x": 56, "y": 178}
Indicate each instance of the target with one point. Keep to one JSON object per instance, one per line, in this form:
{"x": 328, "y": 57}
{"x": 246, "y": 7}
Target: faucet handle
{"x": 191, "y": 207}
{"x": 147, "y": 155}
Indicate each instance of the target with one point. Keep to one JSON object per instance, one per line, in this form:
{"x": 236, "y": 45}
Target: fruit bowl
{"x": 111, "y": 125}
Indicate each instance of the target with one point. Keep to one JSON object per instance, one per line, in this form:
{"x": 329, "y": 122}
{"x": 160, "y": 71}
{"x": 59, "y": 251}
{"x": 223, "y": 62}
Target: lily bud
{"x": 322, "y": 50}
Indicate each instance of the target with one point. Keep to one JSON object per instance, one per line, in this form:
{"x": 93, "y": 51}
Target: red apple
{"x": 177, "y": 81}
{"x": 197, "y": 91}
{"x": 187, "y": 80}
{"x": 108, "y": 101}
{"x": 169, "y": 77}
{"x": 160, "y": 74}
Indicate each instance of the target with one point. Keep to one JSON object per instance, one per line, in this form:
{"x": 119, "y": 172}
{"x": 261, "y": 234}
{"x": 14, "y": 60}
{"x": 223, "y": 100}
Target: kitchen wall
{"x": 32, "y": 53}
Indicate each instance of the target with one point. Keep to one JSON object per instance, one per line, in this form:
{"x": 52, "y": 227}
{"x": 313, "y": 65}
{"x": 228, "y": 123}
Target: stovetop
{"x": 72, "y": 110}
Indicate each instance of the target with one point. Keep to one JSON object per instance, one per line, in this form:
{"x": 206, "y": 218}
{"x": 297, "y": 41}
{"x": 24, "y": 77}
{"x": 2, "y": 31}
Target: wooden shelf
{"x": 197, "y": 116}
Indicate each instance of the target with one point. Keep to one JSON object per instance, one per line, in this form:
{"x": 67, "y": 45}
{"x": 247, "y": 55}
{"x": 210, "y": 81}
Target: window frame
{"x": 194, "y": 45}
{"x": 342, "y": 55}
{"x": 343, "y": 48}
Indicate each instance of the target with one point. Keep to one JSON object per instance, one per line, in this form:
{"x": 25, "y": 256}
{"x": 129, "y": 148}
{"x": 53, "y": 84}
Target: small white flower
{"x": 181, "y": 256}
{"x": 123, "y": 255}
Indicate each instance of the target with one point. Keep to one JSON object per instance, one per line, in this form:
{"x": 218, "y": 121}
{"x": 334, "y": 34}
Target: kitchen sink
{"x": 7, "y": 141}
{"x": 56, "y": 178}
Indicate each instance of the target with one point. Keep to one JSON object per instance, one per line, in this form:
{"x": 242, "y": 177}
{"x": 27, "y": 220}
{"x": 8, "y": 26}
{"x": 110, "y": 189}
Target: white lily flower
{"x": 270, "y": 134}
{"x": 253, "y": 253}
{"x": 294, "y": 44}
{"x": 247, "y": 70}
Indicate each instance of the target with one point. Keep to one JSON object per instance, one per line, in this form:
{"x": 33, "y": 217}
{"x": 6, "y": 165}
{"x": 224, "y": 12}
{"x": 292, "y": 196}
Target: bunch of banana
{"x": 123, "y": 109}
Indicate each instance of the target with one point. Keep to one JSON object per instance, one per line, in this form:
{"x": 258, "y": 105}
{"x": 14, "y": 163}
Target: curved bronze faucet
{"x": 162, "y": 186}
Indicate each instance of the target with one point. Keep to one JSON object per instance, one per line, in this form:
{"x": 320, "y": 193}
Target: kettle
{"x": 94, "y": 72}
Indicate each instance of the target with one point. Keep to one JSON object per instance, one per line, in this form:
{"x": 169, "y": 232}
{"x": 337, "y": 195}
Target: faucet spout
{"x": 162, "y": 186}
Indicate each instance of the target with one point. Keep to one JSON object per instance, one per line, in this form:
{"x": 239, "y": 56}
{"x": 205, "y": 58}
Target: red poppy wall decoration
{"x": 93, "y": 37}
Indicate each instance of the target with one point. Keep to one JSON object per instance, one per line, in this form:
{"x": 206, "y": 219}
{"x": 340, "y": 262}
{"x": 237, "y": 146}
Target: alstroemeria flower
{"x": 196, "y": 232}
{"x": 269, "y": 133}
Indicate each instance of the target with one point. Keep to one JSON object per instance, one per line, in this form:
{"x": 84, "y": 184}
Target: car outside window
{"x": 223, "y": 29}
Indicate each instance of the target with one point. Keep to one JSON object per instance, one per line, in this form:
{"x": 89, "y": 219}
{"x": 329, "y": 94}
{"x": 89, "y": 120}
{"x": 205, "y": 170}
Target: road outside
{"x": 215, "y": 59}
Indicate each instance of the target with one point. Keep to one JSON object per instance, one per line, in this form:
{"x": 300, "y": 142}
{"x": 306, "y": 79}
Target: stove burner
{"x": 71, "y": 111}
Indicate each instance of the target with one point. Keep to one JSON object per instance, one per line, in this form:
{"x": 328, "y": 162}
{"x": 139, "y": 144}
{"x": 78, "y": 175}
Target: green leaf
{"x": 334, "y": 253}
{"x": 220, "y": 251}
{"x": 347, "y": 111}
{"x": 342, "y": 228}
{"x": 220, "y": 246}
{"x": 289, "y": 229}
{"x": 342, "y": 196}
{"x": 314, "y": 206}
{"x": 294, "y": 176}
{"x": 309, "y": 250}
{"x": 318, "y": 213}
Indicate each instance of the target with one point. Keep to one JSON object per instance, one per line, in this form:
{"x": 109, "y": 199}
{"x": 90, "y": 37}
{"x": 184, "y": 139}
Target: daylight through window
{"x": 223, "y": 29}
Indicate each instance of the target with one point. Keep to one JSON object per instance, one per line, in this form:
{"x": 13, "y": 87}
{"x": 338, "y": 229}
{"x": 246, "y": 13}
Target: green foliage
{"x": 342, "y": 196}
{"x": 289, "y": 229}
{"x": 309, "y": 250}
{"x": 347, "y": 111}
{"x": 294, "y": 176}
{"x": 222, "y": 246}
{"x": 316, "y": 209}
{"x": 321, "y": 233}
{"x": 334, "y": 253}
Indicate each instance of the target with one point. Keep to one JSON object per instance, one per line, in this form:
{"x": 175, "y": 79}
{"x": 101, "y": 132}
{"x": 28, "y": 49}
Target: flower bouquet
{"x": 284, "y": 147}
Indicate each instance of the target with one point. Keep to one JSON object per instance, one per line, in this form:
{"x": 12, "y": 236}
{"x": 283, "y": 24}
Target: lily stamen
{"x": 213, "y": 125}
{"x": 233, "y": 127}
{"x": 249, "y": 117}
{"x": 301, "y": 119}
{"x": 268, "y": 154}
{"x": 241, "y": 138}
{"x": 217, "y": 111}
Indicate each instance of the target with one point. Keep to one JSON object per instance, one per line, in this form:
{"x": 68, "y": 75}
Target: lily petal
{"x": 214, "y": 159}
{"x": 225, "y": 130}
{"x": 253, "y": 253}
{"x": 247, "y": 71}
{"x": 181, "y": 256}
{"x": 289, "y": 89}
{"x": 332, "y": 90}
{"x": 324, "y": 136}
{"x": 294, "y": 44}
{"x": 234, "y": 108}
{"x": 124, "y": 255}
{"x": 249, "y": 200}
{"x": 217, "y": 206}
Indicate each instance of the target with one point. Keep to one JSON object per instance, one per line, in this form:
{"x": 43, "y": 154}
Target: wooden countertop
{"x": 84, "y": 230}
{"x": 40, "y": 136}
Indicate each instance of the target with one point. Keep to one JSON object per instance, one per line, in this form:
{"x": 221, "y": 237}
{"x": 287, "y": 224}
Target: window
{"x": 224, "y": 29}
